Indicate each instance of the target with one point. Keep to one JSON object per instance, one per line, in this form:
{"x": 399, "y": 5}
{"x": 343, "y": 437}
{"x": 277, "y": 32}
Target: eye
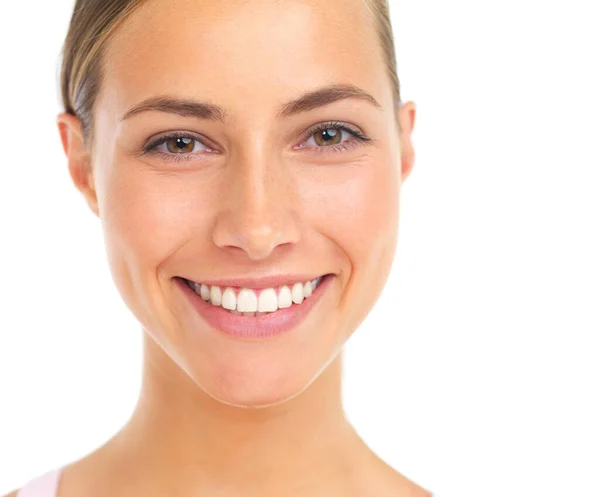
{"x": 176, "y": 146}
{"x": 329, "y": 137}
{"x": 180, "y": 145}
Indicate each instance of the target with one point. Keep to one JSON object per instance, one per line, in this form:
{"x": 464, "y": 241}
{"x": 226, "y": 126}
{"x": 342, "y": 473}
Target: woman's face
{"x": 251, "y": 190}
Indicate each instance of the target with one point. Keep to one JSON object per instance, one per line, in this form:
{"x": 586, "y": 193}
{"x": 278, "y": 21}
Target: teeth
{"x": 228, "y": 300}
{"x": 215, "y": 295}
{"x": 267, "y": 302}
{"x": 204, "y": 292}
{"x": 308, "y": 289}
{"x": 249, "y": 302}
{"x": 298, "y": 293}
{"x": 285, "y": 297}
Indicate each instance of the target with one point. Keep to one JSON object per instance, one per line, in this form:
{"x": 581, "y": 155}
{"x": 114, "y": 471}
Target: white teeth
{"x": 267, "y": 302}
{"x": 229, "y": 300}
{"x": 256, "y": 303}
{"x": 215, "y": 295}
{"x": 308, "y": 289}
{"x": 298, "y": 293}
{"x": 204, "y": 292}
{"x": 247, "y": 301}
{"x": 285, "y": 297}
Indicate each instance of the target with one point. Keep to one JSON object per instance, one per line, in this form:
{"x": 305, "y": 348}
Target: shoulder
{"x": 12, "y": 494}
{"x": 387, "y": 480}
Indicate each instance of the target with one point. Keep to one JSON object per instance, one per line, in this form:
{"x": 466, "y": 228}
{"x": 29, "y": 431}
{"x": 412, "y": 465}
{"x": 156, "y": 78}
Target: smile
{"x": 254, "y": 313}
{"x": 255, "y": 302}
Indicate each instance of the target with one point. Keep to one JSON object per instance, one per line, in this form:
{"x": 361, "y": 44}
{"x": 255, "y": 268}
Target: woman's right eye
{"x": 177, "y": 146}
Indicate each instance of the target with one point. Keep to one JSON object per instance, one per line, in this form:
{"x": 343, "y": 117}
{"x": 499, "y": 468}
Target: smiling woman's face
{"x": 257, "y": 184}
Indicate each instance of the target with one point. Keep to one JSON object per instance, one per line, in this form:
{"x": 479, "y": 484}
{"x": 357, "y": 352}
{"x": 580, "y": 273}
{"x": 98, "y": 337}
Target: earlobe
{"x": 406, "y": 117}
{"x": 78, "y": 156}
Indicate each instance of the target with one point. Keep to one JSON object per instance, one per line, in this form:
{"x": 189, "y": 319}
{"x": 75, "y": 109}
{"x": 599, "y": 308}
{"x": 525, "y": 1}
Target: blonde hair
{"x": 93, "y": 22}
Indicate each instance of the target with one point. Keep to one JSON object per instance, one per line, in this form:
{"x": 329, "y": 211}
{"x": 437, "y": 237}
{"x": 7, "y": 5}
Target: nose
{"x": 259, "y": 211}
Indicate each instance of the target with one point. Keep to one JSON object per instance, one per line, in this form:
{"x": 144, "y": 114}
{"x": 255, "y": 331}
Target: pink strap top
{"x": 45, "y": 485}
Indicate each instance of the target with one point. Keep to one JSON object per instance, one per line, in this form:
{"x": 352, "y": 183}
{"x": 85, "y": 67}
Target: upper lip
{"x": 261, "y": 282}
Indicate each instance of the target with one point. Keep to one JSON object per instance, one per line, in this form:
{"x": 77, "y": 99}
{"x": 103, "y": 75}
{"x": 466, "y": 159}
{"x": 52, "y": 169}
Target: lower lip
{"x": 255, "y": 327}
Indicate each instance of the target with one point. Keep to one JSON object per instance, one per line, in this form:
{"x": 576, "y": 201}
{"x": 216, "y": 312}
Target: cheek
{"x": 138, "y": 218}
{"x": 360, "y": 216}
{"x": 360, "y": 212}
{"x": 149, "y": 214}
{"x": 146, "y": 217}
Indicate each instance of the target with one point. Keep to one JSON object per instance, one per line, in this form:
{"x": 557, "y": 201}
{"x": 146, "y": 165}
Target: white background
{"x": 476, "y": 374}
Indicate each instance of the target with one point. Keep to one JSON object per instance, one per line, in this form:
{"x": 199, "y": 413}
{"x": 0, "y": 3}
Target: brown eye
{"x": 180, "y": 145}
{"x": 329, "y": 136}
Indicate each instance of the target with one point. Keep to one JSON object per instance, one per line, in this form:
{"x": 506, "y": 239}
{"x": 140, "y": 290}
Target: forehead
{"x": 232, "y": 51}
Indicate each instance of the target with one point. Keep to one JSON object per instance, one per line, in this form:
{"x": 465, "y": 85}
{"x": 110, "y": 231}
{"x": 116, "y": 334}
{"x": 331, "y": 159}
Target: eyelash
{"x": 358, "y": 137}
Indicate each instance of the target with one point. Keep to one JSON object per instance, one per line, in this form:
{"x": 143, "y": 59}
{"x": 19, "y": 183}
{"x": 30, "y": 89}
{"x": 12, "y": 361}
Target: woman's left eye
{"x": 328, "y": 137}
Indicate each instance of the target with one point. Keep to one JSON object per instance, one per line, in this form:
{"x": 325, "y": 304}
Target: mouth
{"x": 244, "y": 313}
{"x": 252, "y": 302}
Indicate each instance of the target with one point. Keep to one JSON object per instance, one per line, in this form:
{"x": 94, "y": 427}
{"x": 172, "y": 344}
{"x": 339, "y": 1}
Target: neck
{"x": 181, "y": 438}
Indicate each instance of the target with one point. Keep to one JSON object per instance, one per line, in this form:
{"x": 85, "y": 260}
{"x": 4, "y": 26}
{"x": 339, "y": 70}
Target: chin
{"x": 257, "y": 390}
{"x": 253, "y": 400}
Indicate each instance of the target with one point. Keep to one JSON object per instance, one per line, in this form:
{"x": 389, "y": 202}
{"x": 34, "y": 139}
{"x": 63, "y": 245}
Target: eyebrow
{"x": 204, "y": 110}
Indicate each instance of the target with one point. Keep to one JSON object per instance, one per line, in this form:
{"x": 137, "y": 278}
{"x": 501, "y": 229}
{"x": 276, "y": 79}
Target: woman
{"x": 245, "y": 159}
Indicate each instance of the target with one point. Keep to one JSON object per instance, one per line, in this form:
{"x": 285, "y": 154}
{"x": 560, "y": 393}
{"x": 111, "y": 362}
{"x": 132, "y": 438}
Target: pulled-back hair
{"x": 93, "y": 22}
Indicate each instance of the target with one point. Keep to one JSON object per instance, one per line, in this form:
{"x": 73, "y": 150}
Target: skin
{"x": 218, "y": 416}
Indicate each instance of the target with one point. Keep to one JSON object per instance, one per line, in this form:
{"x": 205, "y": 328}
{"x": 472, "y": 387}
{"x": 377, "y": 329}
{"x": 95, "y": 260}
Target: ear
{"x": 79, "y": 158}
{"x": 406, "y": 117}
